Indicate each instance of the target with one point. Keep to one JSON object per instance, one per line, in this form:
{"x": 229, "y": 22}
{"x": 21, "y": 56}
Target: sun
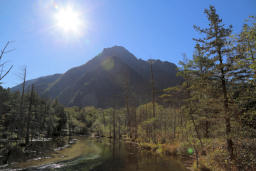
{"x": 69, "y": 20}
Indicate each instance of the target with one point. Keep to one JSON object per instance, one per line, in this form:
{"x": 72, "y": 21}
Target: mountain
{"x": 106, "y": 79}
{"x": 40, "y": 83}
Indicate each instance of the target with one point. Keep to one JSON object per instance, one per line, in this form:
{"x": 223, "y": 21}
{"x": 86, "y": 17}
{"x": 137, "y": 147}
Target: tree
{"x": 190, "y": 106}
{"x": 21, "y": 107}
{"x": 153, "y": 98}
{"x": 216, "y": 43}
{"x": 246, "y": 45}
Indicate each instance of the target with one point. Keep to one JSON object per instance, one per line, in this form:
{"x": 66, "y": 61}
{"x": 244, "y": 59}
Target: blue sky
{"x": 159, "y": 29}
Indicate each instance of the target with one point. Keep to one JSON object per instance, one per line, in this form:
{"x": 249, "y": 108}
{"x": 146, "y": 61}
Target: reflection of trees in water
{"x": 116, "y": 154}
{"x": 129, "y": 157}
{"x": 122, "y": 156}
{"x": 114, "y": 150}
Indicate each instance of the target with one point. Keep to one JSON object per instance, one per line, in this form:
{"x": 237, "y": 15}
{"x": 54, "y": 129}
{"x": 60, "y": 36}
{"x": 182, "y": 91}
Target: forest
{"x": 210, "y": 117}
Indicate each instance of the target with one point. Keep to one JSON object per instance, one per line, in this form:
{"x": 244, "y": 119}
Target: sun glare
{"x": 69, "y": 20}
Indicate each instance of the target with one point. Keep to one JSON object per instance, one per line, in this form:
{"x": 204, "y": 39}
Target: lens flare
{"x": 190, "y": 151}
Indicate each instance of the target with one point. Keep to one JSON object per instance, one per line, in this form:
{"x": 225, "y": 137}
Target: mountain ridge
{"x": 106, "y": 75}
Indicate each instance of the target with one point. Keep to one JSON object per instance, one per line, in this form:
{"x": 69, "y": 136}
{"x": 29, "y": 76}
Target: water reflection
{"x": 127, "y": 157}
{"x": 109, "y": 155}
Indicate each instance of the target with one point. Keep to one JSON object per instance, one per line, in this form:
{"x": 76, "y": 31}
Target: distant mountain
{"x": 41, "y": 83}
{"x": 106, "y": 79}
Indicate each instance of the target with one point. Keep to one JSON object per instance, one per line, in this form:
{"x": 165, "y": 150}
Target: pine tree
{"x": 216, "y": 43}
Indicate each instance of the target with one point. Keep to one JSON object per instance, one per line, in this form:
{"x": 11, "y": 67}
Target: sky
{"x": 150, "y": 29}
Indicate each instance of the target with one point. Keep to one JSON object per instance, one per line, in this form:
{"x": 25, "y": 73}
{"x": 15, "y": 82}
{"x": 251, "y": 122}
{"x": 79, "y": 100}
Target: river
{"x": 90, "y": 154}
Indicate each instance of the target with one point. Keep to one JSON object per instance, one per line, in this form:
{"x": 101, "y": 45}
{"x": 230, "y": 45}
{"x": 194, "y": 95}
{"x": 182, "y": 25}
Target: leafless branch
{"x": 4, "y": 51}
{"x": 6, "y": 73}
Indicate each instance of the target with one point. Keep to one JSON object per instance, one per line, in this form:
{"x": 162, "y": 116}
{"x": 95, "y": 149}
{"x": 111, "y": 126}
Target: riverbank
{"x": 171, "y": 150}
{"x": 40, "y": 152}
{"x": 16, "y": 151}
{"x": 70, "y": 150}
{"x": 100, "y": 154}
{"x": 212, "y": 157}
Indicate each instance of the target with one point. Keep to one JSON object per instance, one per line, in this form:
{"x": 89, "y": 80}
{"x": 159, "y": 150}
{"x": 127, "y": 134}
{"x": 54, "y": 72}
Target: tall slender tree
{"x": 216, "y": 43}
{"x": 29, "y": 114}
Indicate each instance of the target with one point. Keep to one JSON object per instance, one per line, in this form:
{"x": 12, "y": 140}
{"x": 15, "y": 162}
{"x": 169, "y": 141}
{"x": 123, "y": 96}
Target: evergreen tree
{"x": 216, "y": 43}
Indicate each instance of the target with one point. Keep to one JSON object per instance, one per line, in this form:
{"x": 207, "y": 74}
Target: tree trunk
{"x": 226, "y": 108}
{"x": 153, "y": 91}
{"x": 153, "y": 101}
{"x": 128, "y": 117}
{"x": 206, "y": 129}
{"x": 29, "y": 115}
{"x": 197, "y": 132}
{"x": 21, "y": 115}
{"x": 114, "y": 124}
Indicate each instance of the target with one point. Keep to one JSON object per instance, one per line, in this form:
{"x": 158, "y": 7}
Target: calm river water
{"x": 104, "y": 155}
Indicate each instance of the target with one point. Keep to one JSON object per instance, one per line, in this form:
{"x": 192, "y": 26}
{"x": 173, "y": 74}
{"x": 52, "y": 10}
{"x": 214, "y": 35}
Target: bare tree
{"x": 21, "y": 114}
{"x": 3, "y": 73}
{"x": 153, "y": 99}
{"x": 29, "y": 115}
{"x": 153, "y": 89}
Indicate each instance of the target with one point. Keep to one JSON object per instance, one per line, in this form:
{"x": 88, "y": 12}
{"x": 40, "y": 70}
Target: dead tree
{"x": 29, "y": 115}
{"x": 21, "y": 114}
{"x": 153, "y": 100}
{"x": 2, "y": 64}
